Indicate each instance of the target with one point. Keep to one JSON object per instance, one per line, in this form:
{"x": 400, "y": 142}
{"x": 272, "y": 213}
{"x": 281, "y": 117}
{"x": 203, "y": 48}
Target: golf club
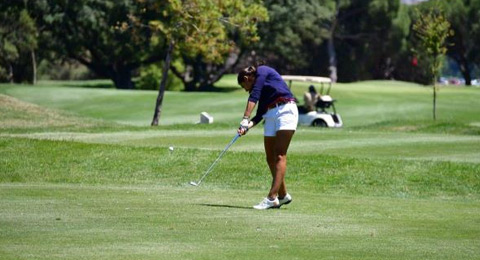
{"x": 213, "y": 164}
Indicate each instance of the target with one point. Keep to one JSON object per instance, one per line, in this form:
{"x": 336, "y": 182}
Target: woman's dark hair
{"x": 249, "y": 71}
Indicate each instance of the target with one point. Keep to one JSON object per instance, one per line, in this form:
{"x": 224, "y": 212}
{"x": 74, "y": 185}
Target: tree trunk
{"x": 10, "y": 73}
{"x": 34, "y": 68}
{"x": 122, "y": 77}
{"x": 163, "y": 83}
{"x": 435, "y": 71}
{"x": 190, "y": 86}
{"x": 436, "y": 62}
{"x": 463, "y": 65}
{"x": 458, "y": 53}
{"x": 201, "y": 76}
{"x": 332, "y": 56}
{"x": 232, "y": 60}
{"x": 332, "y": 60}
{"x": 434, "y": 101}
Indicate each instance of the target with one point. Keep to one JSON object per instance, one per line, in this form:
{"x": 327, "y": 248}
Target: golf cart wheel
{"x": 319, "y": 123}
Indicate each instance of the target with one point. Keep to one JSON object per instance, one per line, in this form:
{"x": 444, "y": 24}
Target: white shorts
{"x": 283, "y": 117}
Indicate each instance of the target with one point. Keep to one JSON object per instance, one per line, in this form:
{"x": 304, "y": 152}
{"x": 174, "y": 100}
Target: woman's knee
{"x": 279, "y": 158}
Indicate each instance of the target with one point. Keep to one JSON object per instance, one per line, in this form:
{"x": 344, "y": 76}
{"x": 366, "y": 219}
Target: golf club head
{"x": 193, "y": 183}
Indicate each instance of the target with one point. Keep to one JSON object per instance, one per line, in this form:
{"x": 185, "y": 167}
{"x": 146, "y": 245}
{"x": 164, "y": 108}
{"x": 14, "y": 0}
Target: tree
{"x": 292, "y": 38}
{"x": 18, "y": 42}
{"x": 214, "y": 44}
{"x": 463, "y": 47}
{"x": 316, "y": 37}
{"x": 432, "y": 29}
{"x": 367, "y": 38}
{"x": 199, "y": 29}
{"x": 88, "y": 31}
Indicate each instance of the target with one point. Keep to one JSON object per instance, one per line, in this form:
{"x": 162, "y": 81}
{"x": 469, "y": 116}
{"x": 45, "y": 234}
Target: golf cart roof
{"x": 306, "y": 79}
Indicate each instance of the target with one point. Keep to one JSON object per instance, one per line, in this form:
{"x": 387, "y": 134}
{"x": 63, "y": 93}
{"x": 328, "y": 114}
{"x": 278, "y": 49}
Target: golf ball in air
{"x": 170, "y": 148}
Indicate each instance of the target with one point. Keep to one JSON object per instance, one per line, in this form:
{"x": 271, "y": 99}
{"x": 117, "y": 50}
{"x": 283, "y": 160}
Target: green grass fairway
{"x": 84, "y": 176}
{"x": 58, "y": 221}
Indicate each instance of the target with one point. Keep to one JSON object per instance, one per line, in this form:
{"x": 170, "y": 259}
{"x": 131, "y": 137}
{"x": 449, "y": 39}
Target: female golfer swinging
{"x": 276, "y": 105}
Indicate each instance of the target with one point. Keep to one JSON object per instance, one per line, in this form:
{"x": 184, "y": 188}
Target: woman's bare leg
{"x": 276, "y": 151}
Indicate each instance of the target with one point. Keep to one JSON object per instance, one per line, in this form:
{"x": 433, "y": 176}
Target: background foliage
{"x": 369, "y": 39}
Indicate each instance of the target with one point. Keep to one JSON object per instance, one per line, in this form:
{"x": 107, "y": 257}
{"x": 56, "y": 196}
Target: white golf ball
{"x": 170, "y": 148}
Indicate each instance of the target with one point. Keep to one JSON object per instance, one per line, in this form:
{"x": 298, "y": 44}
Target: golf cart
{"x": 320, "y": 117}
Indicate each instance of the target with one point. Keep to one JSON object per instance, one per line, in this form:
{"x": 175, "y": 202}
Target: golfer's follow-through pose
{"x": 276, "y": 105}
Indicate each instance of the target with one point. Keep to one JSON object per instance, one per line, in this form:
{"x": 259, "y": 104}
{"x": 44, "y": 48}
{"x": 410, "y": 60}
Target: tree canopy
{"x": 350, "y": 40}
{"x": 206, "y": 34}
{"x": 87, "y": 31}
{"x": 309, "y": 36}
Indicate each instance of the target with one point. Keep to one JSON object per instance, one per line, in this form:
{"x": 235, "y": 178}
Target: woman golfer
{"x": 276, "y": 105}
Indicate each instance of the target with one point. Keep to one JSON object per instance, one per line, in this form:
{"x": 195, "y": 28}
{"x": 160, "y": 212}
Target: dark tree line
{"x": 348, "y": 40}
{"x": 360, "y": 40}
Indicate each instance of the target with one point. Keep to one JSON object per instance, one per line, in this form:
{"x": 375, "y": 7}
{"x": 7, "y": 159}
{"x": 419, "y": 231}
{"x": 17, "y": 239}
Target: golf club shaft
{"x": 218, "y": 158}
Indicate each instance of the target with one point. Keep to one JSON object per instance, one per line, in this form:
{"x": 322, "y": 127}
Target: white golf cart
{"x": 321, "y": 117}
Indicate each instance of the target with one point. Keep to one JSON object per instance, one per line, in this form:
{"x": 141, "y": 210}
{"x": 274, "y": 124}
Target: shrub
{"x": 150, "y": 77}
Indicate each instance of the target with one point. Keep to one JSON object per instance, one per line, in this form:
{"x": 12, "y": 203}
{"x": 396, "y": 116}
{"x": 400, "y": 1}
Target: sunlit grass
{"x": 84, "y": 176}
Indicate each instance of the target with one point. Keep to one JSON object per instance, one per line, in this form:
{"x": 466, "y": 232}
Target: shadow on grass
{"x": 91, "y": 85}
{"x": 220, "y": 89}
{"x": 109, "y": 85}
{"x": 225, "y": 206}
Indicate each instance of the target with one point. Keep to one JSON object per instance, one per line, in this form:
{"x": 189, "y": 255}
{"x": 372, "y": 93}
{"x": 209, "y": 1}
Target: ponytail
{"x": 259, "y": 63}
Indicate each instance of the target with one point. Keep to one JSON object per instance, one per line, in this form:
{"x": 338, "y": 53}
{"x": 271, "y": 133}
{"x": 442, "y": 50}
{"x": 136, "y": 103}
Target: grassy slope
{"x": 389, "y": 185}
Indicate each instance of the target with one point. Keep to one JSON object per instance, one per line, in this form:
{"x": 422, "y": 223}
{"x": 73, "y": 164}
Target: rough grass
{"x": 18, "y": 114}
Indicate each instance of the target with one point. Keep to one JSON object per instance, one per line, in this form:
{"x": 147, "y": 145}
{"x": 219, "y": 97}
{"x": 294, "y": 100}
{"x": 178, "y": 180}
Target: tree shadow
{"x": 220, "y": 89}
{"x": 91, "y": 85}
{"x": 225, "y": 206}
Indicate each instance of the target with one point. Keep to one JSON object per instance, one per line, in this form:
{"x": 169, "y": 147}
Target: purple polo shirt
{"x": 268, "y": 86}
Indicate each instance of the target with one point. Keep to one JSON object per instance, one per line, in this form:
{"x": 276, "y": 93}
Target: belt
{"x": 281, "y": 101}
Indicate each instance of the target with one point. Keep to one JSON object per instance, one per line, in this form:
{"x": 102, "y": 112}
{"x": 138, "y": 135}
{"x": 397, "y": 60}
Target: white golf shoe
{"x": 287, "y": 199}
{"x": 267, "y": 204}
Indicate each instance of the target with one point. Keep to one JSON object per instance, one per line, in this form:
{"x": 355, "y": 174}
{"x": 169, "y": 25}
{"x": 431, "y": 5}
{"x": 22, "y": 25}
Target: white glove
{"x": 244, "y": 125}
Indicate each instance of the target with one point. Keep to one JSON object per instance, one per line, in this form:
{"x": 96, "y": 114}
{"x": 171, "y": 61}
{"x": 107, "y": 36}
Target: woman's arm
{"x": 246, "y": 124}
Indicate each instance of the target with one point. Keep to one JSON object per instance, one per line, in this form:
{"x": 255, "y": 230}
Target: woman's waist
{"x": 281, "y": 101}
